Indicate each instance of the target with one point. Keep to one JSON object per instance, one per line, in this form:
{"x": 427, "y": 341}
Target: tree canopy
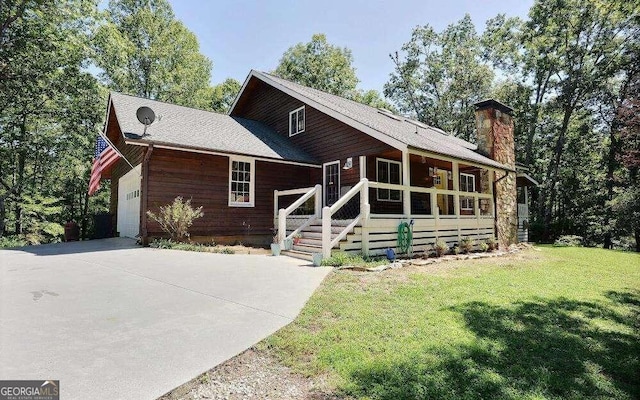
{"x": 323, "y": 66}
{"x": 320, "y": 65}
{"x": 144, "y": 50}
{"x": 569, "y": 70}
{"x": 439, "y": 76}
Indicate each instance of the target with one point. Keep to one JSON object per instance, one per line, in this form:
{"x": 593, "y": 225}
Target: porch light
{"x": 348, "y": 164}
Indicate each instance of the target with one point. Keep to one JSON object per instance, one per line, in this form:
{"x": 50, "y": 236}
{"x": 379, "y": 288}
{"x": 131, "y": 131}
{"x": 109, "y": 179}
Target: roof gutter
{"x": 502, "y": 167}
{"x": 170, "y": 146}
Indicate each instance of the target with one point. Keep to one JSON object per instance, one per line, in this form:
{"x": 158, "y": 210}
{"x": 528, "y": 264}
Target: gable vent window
{"x": 296, "y": 121}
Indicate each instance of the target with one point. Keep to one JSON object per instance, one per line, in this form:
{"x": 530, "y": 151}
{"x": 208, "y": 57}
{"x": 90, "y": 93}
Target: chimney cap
{"x": 495, "y": 104}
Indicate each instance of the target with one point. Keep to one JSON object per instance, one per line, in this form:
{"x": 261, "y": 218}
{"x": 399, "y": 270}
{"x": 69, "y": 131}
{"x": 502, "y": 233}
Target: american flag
{"x": 104, "y": 157}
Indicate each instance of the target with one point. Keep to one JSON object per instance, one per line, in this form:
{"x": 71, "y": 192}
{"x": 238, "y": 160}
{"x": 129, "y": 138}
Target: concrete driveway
{"x": 112, "y": 320}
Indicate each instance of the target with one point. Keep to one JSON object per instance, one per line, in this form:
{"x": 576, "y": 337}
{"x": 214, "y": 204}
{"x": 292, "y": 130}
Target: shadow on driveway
{"x": 84, "y": 246}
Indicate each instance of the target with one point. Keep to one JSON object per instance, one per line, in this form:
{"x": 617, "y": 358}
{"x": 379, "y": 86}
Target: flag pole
{"x": 103, "y": 134}
{"x": 115, "y": 149}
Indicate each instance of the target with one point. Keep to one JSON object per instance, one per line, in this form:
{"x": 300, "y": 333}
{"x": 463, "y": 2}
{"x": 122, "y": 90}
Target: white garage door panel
{"x": 129, "y": 203}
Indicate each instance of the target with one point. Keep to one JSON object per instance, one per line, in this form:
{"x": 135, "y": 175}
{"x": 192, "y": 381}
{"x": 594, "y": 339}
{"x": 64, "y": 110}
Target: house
{"x": 340, "y": 174}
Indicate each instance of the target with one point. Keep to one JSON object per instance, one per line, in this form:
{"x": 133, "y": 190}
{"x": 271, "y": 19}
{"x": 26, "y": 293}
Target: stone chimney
{"x": 494, "y": 125}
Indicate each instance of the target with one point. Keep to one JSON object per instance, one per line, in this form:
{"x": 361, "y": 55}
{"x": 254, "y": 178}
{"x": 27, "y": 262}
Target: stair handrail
{"x": 361, "y": 188}
{"x": 283, "y": 213}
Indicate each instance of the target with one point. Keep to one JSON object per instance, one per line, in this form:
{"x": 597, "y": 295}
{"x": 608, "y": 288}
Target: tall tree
{"x": 223, "y": 95}
{"x": 143, "y": 50}
{"x": 320, "y": 65}
{"x": 439, "y": 76}
{"x": 626, "y": 202}
{"x": 48, "y": 114}
{"x": 568, "y": 52}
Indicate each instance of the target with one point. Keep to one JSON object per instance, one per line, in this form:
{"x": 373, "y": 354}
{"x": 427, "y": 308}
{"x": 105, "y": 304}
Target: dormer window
{"x": 296, "y": 121}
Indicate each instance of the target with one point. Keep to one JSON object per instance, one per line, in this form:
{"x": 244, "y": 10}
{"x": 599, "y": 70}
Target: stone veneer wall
{"x": 496, "y": 141}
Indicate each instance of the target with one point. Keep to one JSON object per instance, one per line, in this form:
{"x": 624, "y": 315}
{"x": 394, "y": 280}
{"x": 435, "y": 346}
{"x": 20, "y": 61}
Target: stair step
{"x": 318, "y": 228}
{"x": 310, "y": 241}
{"x": 309, "y": 248}
{"x": 298, "y": 254}
{"x": 334, "y": 222}
{"x": 315, "y": 235}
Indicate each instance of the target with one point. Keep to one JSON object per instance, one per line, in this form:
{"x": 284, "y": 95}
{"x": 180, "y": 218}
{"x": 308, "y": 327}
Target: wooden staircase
{"x": 311, "y": 239}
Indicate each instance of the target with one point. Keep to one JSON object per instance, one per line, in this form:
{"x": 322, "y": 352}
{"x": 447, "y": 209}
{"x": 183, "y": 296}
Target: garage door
{"x": 129, "y": 203}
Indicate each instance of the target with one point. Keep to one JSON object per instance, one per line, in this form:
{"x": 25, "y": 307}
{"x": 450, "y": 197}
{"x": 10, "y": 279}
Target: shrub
{"x": 226, "y": 250}
{"x": 492, "y": 243}
{"x": 12, "y": 241}
{"x": 341, "y": 259}
{"x": 457, "y": 250}
{"x": 441, "y": 247}
{"x": 484, "y": 247}
{"x": 162, "y": 244}
{"x": 569, "y": 241}
{"x": 176, "y": 218}
{"x": 466, "y": 244}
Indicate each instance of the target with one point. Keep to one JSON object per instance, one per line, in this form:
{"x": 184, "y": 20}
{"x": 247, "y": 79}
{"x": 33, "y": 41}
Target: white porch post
{"x": 326, "y": 232}
{"x": 275, "y": 207}
{"x": 318, "y": 203}
{"x": 282, "y": 226}
{"x": 363, "y": 167}
{"x": 456, "y": 186}
{"x": 455, "y": 170}
{"x": 406, "y": 196}
{"x": 364, "y": 215}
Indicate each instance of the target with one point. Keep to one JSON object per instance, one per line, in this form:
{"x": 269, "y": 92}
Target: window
{"x": 296, "y": 121}
{"x": 241, "y": 182}
{"x": 467, "y": 184}
{"x": 388, "y": 172}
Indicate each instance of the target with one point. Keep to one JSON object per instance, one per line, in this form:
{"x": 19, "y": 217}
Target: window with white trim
{"x": 388, "y": 171}
{"x": 467, "y": 184}
{"x": 241, "y": 182}
{"x": 296, "y": 121}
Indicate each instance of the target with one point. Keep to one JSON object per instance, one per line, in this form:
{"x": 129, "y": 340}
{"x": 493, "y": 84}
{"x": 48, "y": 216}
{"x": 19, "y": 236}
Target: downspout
{"x": 495, "y": 203}
{"x": 144, "y": 198}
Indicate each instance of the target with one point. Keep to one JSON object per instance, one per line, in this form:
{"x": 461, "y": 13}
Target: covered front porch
{"x": 360, "y": 202}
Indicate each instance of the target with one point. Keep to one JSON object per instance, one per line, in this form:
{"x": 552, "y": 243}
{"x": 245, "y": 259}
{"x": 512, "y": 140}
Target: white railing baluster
{"x": 283, "y": 213}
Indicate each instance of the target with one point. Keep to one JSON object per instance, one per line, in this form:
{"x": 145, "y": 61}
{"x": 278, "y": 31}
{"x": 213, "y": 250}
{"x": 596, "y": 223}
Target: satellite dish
{"x": 146, "y": 116}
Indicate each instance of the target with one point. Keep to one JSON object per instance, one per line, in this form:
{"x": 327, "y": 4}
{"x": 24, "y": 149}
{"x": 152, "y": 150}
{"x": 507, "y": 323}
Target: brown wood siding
{"x": 134, "y": 154}
{"x": 205, "y": 179}
{"x": 325, "y": 138}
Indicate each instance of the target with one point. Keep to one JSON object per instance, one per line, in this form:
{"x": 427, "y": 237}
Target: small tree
{"x": 176, "y": 218}
{"x": 466, "y": 244}
{"x": 441, "y": 247}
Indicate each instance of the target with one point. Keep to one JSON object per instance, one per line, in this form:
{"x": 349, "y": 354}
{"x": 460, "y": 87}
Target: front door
{"x": 331, "y": 182}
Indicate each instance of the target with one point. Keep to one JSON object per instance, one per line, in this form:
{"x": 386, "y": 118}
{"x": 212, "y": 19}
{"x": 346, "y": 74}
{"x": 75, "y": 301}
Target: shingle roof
{"x": 409, "y": 132}
{"x": 204, "y": 130}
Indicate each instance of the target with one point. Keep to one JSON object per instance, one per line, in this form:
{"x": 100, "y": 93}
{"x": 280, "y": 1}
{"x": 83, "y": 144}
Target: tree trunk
{"x": 22, "y": 155}
{"x": 85, "y": 209}
{"x": 3, "y": 215}
{"x": 637, "y": 234}
{"x": 552, "y": 173}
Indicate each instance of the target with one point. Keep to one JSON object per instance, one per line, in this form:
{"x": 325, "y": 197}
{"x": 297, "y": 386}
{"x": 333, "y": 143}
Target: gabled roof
{"x": 191, "y": 128}
{"x": 397, "y": 131}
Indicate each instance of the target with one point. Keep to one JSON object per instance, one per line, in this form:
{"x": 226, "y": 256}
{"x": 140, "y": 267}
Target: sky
{"x": 240, "y": 35}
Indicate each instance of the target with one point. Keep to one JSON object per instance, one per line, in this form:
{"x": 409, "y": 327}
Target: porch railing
{"x": 283, "y": 213}
{"x": 362, "y": 189}
{"x": 434, "y": 192}
{"x": 523, "y": 210}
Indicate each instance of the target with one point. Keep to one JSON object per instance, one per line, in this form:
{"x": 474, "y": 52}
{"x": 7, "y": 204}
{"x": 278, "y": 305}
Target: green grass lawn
{"x": 548, "y": 324}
